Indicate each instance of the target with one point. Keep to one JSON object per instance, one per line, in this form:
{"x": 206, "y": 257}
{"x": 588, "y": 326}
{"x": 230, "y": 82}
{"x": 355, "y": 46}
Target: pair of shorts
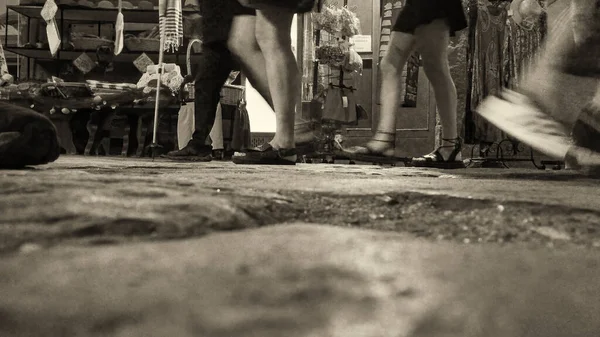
{"x": 297, "y": 6}
{"x": 217, "y": 18}
{"x": 416, "y": 13}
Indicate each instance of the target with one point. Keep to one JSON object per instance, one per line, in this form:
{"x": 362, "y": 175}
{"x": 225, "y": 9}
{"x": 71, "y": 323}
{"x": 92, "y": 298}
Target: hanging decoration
{"x": 119, "y": 27}
{"x": 84, "y": 63}
{"x": 339, "y": 24}
{"x": 526, "y": 13}
{"x": 171, "y": 23}
{"x": 48, "y": 13}
{"x": 337, "y": 21}
{"x": 353, "y": 62}
{"x": 142, "y": 62}
{"x": 5, "y": 77}
{"x": 331, "y": 54}
{"x": 329, "y": 19}
{"x": 3, "y": 63}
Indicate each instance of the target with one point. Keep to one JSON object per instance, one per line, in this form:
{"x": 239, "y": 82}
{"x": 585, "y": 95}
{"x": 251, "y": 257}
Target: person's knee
{"x": 436, "y": 69}
{"x": 391, "y": 64}
{"x": 240, "y": 45}
{"x": 271, "y": 39}
{"x": 273, "y": 30}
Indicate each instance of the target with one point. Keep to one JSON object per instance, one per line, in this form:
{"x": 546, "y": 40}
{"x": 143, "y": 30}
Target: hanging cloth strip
{"x": 171, "y": 24}
{"x": 119, "y": 27}
{"x": 49, "y": 15}
{"x": 3, "y": 63}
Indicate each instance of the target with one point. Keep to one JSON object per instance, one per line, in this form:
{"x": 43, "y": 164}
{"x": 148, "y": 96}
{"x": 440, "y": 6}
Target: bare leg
{"x": 244, "y": 47}
{"x": 400, "y": 48}
{"x": 432, "y": 44}
{"x": 273, "y": 35}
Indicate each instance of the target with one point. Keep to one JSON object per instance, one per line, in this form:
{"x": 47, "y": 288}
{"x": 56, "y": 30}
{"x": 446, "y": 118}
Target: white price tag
{"x": 142, "y": 62}
{"x": 84, "y": 63}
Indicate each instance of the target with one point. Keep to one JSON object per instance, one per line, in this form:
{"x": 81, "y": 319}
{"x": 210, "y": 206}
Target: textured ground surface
{"x": 476, "y": 252}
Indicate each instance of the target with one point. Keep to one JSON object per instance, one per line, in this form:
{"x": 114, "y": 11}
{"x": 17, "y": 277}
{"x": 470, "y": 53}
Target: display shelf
{"x": 89, "y": 14}
{"x": 44, "y": 54}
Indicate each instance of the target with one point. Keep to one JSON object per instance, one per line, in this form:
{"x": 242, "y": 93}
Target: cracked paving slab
{"x": 88, "y": 249}
{"x": 94, "y": 200}
{"x": 300, "y": 280}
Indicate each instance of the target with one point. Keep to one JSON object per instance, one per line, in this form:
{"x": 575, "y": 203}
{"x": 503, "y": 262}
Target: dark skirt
{"x": 421, "y": 12}
{"x": 217, "y": 17}
{"x": 297, "y": 6}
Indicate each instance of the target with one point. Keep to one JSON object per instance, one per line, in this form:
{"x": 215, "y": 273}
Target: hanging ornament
{"x": 353, "y": 62}
{"x": 526, "y": 13}
{"x": 171, "y": 24}
{"x": 49, "y": 15}
{"x": 84, "y": 63}
{"x": 119, "y": 27}
{"x": 3, "y": 63}
{"x": 142, "y": 62}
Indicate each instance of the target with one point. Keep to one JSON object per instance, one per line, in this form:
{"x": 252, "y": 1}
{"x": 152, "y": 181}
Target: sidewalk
{"x": 130, "y": 247}
{"x": 115, "y": 199}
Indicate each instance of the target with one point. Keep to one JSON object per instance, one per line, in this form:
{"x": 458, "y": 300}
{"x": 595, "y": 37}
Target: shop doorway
{"x": 416, "y": 120}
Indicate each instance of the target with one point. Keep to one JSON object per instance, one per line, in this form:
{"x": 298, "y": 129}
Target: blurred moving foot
{"x": 516, "y": 115}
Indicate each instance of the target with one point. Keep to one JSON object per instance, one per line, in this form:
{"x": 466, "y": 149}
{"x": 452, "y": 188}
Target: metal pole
{"x": 156, "y": 103}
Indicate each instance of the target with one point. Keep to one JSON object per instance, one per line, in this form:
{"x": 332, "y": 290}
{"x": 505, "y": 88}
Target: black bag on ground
{"x": 26, "y": 137}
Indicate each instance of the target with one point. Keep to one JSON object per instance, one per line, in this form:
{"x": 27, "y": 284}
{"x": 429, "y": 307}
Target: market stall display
{"x": 335, "y": 58}
{"x": 93, "y": 57}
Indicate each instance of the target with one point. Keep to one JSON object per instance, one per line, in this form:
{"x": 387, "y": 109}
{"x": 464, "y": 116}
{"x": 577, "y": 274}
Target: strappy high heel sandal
{"x": 436, "y": 160}
{"x": 367, "y": 154}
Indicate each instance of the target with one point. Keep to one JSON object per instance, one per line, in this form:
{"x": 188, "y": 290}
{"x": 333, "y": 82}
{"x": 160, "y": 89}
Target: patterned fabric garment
{"x": 501, "y": 55}
{"x": 486, "y": 63}
{"x": 521, "y": 51}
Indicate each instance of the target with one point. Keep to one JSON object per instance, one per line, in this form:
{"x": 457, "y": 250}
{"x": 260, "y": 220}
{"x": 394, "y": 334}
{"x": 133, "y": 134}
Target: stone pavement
{"x": 131, "y": 247}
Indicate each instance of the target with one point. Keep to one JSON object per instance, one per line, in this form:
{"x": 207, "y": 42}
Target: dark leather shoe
{"x": 586, "y": 137}
{"x": 191, "y": 153}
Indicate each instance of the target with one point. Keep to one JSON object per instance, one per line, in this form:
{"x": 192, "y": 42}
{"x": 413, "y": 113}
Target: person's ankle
{"x": 304, "y": 136}
{"x": 278, "y": 144}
